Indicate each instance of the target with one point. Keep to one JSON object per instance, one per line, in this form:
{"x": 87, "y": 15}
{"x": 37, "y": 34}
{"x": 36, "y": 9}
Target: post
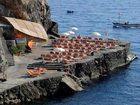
{"x": 119, "y": 17}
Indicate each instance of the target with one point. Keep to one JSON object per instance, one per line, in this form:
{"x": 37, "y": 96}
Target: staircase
{"x": 74, "y": 85}
{"x": 49, "y": 66}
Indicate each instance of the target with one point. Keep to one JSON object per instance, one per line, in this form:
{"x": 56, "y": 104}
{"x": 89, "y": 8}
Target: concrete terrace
{"x": 16, "y": 75}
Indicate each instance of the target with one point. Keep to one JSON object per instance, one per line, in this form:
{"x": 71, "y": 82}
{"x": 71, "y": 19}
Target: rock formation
{"x": 30, "y": 91}
{"x": 32, "y": 10}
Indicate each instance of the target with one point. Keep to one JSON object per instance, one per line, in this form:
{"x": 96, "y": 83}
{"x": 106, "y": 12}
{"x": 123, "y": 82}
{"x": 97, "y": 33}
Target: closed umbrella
{"x": 66, "y": 34}
{"x": 96, "y": 34}
{"x": 74, "y": 28}
{"x": 71, "y": 32}
{"x": 59, "y": 50}
{"x": 106, "y": 34}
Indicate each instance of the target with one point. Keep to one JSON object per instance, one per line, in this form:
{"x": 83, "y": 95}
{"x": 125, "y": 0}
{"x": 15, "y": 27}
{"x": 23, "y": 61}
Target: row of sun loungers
{"x": 77, "y": 48}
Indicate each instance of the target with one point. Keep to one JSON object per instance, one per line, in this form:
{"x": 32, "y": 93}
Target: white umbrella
{"x": 71, "y": 32}
{"x": 96, "y": 34}
{"x": 59, "y": 49}
{"x": 74, "y": 28}
{"x": 66, "y": 34}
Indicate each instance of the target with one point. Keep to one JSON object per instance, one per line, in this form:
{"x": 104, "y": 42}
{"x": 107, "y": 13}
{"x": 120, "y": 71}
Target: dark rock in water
{"x": 32, "y": 10}
{"x": 65, "y": 89}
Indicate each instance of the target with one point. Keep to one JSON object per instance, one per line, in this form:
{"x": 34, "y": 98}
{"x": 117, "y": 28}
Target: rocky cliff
{"x": 32, "y": 10}
{"x": 30, "y": 91}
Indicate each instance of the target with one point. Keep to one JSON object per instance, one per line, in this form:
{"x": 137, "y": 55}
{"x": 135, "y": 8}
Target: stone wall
{"x": 30, "y": 91}
{"x": 3, "y": 59}
{"x": 100, "y": 64}
{"x": 7, "y": 56}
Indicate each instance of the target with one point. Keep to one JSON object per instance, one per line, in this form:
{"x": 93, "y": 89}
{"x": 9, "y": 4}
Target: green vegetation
{"x": 17, "y": 49}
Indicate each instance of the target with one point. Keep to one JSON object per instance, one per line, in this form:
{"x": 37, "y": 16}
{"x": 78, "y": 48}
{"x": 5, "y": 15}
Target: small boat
{"x": 126, "y": 25}
{"x": 36, "y": 71}
{"x": 70, "y": 11}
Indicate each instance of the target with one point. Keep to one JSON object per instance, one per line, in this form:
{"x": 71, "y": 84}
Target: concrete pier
{"x": 19, "y": 87}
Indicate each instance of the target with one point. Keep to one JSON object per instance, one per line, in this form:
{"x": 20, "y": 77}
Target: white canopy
{"x": 74, "y": 28}
{"x": 27, "y": 27}
{"x": 96, "y": 34}
{"x": 59, "y": 50}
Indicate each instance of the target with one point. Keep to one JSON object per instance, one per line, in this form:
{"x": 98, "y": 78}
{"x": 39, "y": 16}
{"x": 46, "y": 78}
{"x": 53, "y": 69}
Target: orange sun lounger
{"x": 36, "y": 71}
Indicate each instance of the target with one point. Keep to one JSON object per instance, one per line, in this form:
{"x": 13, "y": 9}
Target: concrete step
{"x": 47, "y": 67}
{"x": 71, "y": 83}
{"x": 50, "y": 66}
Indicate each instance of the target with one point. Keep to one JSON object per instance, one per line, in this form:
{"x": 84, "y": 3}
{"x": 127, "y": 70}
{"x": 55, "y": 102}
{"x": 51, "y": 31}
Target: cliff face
{"x": 101, "y": 64}
{"x": 32, "y": 10}
{"x": 30, "y": 91}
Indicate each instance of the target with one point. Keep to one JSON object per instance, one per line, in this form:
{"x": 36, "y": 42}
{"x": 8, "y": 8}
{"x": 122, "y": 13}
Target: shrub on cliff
{"x": 17, "y": 49}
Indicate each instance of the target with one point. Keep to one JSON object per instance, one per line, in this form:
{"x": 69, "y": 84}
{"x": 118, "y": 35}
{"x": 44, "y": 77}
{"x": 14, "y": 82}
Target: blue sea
{"x": 123, "y": 87}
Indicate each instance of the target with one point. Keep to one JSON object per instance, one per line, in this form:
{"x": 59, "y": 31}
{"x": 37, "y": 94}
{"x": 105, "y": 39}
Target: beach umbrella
{"x": 66, "y": 34}
{"x": 71, "y": 32}
{"x": 59, "y": 49}
{"x": 74, "y": 28}
{"x": 96, "y": 34}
